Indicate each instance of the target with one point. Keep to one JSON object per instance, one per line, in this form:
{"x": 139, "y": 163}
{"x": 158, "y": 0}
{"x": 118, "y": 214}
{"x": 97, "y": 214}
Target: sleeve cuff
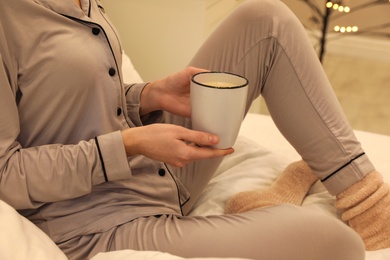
{"x": 113, "y": 157}
{"x": 133, "y": 101}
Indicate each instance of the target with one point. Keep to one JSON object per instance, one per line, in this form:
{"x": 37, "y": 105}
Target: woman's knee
{"x": 333, "y": 238}
{"x": 306, "y": 233}
{"x": 272, "y": 11}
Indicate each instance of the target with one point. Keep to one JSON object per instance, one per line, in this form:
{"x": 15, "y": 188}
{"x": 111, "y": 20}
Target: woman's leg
{"x": 282, "y": 232}
{"x": 266, "y": 43}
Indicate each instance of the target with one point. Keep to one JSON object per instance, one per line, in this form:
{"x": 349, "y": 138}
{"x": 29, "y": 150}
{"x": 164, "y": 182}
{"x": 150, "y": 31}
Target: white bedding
{"x": 261, "y": 154}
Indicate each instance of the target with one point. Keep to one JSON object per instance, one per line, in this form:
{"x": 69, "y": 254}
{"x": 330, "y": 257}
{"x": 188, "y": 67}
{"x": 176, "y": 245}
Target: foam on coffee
{"x": 220, "y": 84}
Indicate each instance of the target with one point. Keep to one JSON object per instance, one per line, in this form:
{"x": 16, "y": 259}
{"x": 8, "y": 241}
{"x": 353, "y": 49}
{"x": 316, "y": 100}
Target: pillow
{"x": 130, "y": 74}
{"x": 21, "y": 239}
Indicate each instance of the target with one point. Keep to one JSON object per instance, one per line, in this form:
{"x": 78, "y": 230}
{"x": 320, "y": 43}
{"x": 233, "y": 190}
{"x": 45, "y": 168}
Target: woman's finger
{"x": 207, "y": 153}
{"x": 200, "y": 138}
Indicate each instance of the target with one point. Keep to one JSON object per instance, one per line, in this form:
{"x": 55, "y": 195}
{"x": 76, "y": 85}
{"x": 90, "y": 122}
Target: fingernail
{"x": 213, "y": 139}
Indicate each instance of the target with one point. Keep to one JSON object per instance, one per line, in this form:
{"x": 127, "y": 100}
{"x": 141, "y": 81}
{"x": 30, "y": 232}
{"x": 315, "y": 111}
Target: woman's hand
{"x": 171, "y": 94}
{"x": 171, "y": 144}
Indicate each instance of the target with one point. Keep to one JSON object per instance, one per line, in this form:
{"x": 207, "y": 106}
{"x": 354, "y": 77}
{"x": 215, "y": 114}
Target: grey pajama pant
{"x": 263, "y": 41}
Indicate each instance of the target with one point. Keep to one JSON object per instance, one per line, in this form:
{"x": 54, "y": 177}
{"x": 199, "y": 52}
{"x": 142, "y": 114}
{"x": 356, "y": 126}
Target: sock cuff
{"x": 298, "y": 171}
{"x": 359, "y": 191}
{"x": 367, "y": 203}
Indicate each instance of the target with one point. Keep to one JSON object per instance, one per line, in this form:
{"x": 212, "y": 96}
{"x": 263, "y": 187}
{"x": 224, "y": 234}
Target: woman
{"x": 100, "y": 166}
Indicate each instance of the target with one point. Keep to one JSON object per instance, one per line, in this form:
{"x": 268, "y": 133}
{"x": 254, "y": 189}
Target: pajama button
{"x": 95, "y": 31}
{"x": 161, "y": 172}
{"x": 112, "y": 72}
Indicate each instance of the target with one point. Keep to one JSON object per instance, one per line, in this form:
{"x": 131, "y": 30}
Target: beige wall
{"x": 363, "y": 89}
{"x": 161, "y": 37}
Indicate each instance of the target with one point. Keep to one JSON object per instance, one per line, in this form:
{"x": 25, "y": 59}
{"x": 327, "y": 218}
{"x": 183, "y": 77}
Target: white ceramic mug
{"x": 218, "y": 101}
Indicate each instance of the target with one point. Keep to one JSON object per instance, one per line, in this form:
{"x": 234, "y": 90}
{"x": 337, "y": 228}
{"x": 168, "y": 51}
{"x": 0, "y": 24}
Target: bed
{"x": 261, "y": 154}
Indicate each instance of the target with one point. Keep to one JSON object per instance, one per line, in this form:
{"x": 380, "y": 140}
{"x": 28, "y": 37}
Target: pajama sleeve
{"x": 133, "y": 101}
{"x": 30, "y": 177}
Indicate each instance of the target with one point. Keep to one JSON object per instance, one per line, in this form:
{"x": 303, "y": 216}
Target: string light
{"x": 339, "y": 7}
{"x": 342, "y": 8}
{"x": 335, "y": 9}
{"x": 345, "y": 29}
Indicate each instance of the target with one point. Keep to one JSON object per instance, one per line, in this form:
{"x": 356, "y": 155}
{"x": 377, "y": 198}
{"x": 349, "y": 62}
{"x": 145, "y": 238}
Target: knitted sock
{"x": 366, "y": 209}
{"x": 290, "y": 187}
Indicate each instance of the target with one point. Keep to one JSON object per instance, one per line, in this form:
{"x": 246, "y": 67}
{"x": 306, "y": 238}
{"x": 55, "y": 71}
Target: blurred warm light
{"x": 340, "y": 8}
{"x": 344, "y": 29}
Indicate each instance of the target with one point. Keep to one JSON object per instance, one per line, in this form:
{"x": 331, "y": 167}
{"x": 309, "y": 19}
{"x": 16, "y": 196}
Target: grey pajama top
{"x": 62, "y": 106}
